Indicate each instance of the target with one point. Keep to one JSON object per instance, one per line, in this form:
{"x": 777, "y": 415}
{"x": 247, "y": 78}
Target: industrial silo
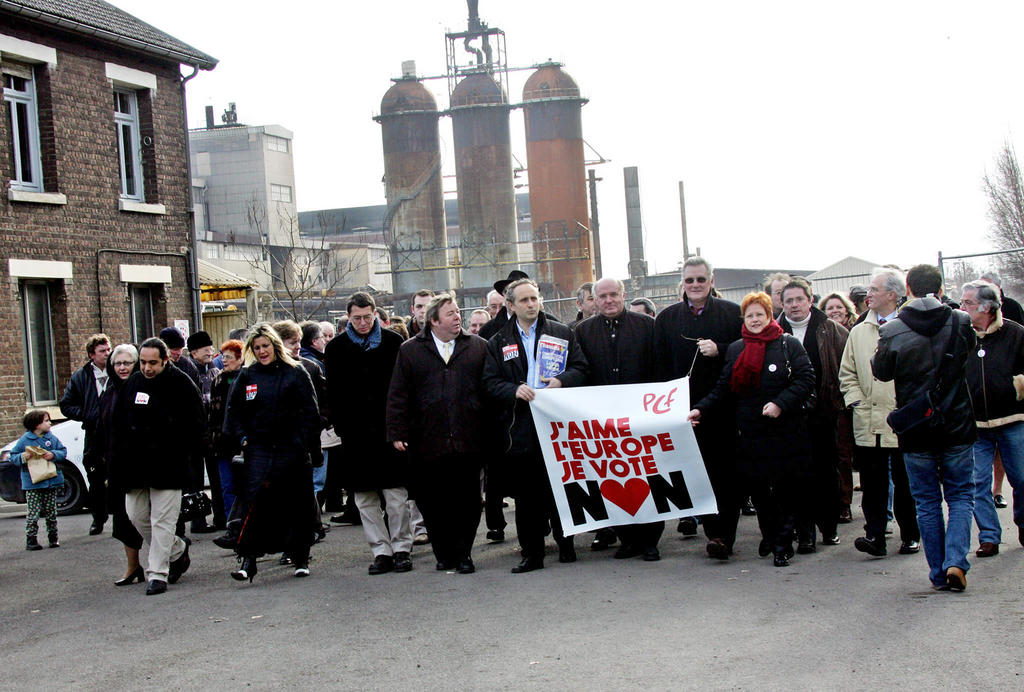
{"x": 558, "y": 189}
{"x": 483, "y": 171}
{"x": 414, "y": 226}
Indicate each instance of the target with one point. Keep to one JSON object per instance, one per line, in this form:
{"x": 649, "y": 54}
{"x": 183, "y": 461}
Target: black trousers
{"x": 217, "y": 492}
{"x": 642, "y": 536}
{"x": 875, "y": 464}
{"x": 776, "y": 510}
{"x": 96, "y": 472}
{"x": 819, "y": 498}
{"x": 448, "y": 495}
{"x": 717, "y": 450}
{"x": 334, "y": 493}
{"x": 535, "y": 504}
{"x": 494, "y": 494}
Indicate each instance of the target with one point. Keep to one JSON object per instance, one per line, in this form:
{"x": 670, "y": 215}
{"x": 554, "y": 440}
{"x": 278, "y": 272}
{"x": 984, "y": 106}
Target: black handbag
{"x": 195, "y": 506}
{"x": 923, "y": 413}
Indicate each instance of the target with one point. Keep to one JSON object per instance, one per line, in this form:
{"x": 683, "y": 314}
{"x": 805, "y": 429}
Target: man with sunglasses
{"x": 690, "y": 338}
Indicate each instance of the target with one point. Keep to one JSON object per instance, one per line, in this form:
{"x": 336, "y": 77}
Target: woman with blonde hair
{"x": 839, "y": 309}
{"x": 272, "y": 417}
{"x": 766, "y": 380}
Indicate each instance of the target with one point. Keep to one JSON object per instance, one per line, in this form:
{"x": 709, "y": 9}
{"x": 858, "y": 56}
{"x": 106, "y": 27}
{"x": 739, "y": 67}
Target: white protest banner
{"x": 622, "y": 454}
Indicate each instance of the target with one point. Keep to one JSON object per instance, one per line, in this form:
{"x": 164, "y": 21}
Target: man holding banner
{"x": 619, "y": 347}
{"x": 530, "y": 353}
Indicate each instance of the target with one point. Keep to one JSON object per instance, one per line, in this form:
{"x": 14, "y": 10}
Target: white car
{"x": 72, "y": 497}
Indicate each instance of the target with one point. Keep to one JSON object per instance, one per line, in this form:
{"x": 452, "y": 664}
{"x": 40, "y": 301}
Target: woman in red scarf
{"x": 765, "y": 382}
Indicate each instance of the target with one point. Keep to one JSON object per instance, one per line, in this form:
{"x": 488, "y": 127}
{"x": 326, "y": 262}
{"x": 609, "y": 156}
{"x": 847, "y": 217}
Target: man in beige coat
{"x": 876, "y": 451}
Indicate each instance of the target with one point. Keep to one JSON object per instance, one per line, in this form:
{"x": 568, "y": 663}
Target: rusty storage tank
{"x": 412, "y": 177}
{"x": 483, "y": 171}
{"x": 558, "y": 188}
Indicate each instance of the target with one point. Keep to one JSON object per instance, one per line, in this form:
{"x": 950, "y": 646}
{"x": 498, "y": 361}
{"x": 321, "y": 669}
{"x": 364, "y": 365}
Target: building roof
{"x": 103, "y": 21}
{"x": 213, "y": 277}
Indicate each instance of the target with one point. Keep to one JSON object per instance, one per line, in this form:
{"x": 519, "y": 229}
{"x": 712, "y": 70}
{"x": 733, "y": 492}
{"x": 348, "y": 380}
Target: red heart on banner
{"x": 629, "y": 496}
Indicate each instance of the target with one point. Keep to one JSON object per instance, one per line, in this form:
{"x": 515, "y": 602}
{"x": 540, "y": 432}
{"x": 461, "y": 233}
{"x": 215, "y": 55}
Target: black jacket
{"x": 157, "y": 429}
{"x": 188, "y": 367}
{"x": 991, "y": 377}
{"x": 1011, "y": 309}
{"x": 503, "y": 377}
{"x": 437, "y": 407}
{"x": 768, "y": 448}
{"x": 624, "y": 355}
{"x": 676, "y": 331}
{"x": 910, "y": 349}
{"x": 80, "y": 401}
{"x": 273, "y": 406}
{"x": 357, "y": 396}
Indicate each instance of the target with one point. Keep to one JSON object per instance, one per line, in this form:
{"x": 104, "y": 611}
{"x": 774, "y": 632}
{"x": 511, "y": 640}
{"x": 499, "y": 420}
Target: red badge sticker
{"x": 509, "y": 352}
{"x": 250, "y": 392}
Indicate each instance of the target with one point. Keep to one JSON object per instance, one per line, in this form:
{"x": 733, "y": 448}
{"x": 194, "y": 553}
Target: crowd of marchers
{"x": 413, "y": 431}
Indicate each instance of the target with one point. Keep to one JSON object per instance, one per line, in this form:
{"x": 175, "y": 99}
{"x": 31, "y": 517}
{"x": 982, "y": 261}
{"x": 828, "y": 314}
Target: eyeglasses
{"x": 123, "y": 363}
{"x": 698, "y": 279}
{"x": 361, "y": 318}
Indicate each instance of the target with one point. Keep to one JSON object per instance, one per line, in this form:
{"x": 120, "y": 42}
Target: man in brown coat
{"x": 824, "y": 341}
{"x": 435, "y": 415}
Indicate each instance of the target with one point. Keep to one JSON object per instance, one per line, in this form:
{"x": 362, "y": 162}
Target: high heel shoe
{"x": 139, "y": 575}
{"x": 246, "y": 571}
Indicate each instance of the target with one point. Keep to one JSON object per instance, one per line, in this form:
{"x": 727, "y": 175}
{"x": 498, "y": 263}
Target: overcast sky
{"x": 803, "y": 131}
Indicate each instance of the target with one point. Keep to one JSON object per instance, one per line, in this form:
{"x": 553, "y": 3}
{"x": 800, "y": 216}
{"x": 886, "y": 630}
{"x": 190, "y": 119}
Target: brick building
{"x": 95, "y": 218}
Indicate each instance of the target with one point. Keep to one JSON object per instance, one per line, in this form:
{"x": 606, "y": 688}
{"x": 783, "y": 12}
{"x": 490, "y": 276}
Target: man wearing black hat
{"x": 503, "y": 316}
{"x": 175, "y": 344}
{"x": 201, "y": 352}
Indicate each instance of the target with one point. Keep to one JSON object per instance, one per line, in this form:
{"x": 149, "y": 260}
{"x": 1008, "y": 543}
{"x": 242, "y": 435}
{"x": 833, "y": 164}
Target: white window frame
{"x": 275, "y": 143}
{"x": 30, "y": 380}
{"x": 133, "y": 159}
{"x": 277, "y": 193}
{"x": 134, "y": 307}
{"x": 27, "y": 99}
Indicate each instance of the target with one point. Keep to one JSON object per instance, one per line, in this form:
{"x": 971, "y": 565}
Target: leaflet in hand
{"x": 552, "y": 353}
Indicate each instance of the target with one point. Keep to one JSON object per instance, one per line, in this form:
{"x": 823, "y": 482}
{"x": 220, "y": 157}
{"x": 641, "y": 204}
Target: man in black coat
{"x": 81, "y": 402}
{"x": 925, "y": 349}
{"x": 436, "y": 416}
{"x": 619, "y": 347}
{"x": 690, "y": 338}
{"x": 175, "y": 346}
{"x": 504, "y": 315}
{"x": 157, "y": 431}
{"x": 511, "y": 376}
{"x": 360, "y": 361}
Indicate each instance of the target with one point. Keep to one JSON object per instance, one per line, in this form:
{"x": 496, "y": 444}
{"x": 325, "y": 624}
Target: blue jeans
{"x": 947, "y": 474}
{"x": 1009, "y": 440}
{"x": 320, "y": 475}
{"x": 226, "y": 485}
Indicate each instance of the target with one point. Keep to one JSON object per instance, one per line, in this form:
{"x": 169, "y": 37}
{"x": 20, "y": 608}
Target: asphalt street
{"x": 834, "y": 619}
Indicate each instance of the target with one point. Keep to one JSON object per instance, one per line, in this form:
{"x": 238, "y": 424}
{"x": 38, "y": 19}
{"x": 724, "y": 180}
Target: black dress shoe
{"x": 496, "y": 536}
{"x": 999, "y": 501}
{"x": 805, "y": 546}
{"x": 156, "y": 586}
{"x": 246, "y": 571}
{"x": 830, "y": 540}
{"x": 347, "y": 519}
{"x": 717, "y": 549}
{"x": 202, "y": 528}
{"x": 687, "y": 526}
{"x": 764, "y": 548}
{"x": 528, "y": 565}
{"x": 443, "y": 566}
{"x": 403, "y": 563}
{"x": 566, "y": 550}
{"x": 910, "y": 547}
{"x": 845, "y": 516}
{"x": 138, "y": 575}
{"x": 604, "y": 538}
{"x": 626, "y": 551}
{"x": 96, "y": 529}
{"x": 382, "y": 564}
{"x": 748, "y": 509}
{"x": 871, "y": 546}
{"x": 465, "y": 567}
{"x": 179, "y": 567}
{"x": 228, "y": 541}
{"x": 651, "y": 554}
{"x": 781, "y": 560}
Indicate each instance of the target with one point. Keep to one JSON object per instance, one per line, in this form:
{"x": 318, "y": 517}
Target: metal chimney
{"x": 634, "y": 224}
{"x": 209, "y": 118}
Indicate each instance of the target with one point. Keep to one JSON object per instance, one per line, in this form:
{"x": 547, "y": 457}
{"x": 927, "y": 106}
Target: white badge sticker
{"x": 772, "y": 367}
{"x": 981, "y": 353}
{"x": 141, "y": 398}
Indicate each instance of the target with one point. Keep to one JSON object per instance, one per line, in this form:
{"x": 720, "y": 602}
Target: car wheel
{"x": 70, "y": 496}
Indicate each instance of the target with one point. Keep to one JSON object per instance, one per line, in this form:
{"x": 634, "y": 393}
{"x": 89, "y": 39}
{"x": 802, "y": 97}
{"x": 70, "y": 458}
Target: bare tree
{"x": 1005, "y": 192}
{"x": 304, "y": 272}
